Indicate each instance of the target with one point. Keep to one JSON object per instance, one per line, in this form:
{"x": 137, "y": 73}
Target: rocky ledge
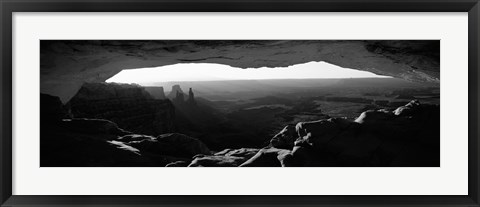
{"x": 406, "y": 136}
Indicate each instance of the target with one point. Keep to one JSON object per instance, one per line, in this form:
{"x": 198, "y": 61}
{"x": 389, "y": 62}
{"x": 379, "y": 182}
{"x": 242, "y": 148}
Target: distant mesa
{"x": 128, "y": 105}
{"x": 156, "y": 92}
{"x": 178, "y": 96}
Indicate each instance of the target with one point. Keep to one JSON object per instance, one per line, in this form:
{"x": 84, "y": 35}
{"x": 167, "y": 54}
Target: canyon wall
{"x": 130, "y": 106}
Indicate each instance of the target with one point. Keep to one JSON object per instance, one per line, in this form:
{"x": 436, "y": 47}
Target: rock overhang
{"x": 66, "y": 64}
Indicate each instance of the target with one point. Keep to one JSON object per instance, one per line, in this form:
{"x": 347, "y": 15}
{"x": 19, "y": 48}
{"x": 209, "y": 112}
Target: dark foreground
{"x": 406, "y": 136}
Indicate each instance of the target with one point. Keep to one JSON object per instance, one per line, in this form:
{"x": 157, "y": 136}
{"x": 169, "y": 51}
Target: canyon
{"x": 109, "y": 124}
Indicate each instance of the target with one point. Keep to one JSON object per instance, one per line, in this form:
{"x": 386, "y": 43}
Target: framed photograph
{"x": 201, "y": 103}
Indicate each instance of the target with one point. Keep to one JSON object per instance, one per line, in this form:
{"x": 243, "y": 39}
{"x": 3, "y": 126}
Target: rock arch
{"x": 66, "y": 65}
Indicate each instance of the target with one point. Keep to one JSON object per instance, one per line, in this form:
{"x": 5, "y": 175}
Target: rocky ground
{"x": 406, "y": 136}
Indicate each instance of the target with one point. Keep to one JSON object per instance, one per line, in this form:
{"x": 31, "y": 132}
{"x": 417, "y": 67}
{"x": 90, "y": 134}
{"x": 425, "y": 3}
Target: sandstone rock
{"x": 216, "y": 161}
{"x": 176, "y": 90}
{"x": 129, "y": 106}
{"x": 191, "y": 97}
{"x": 267, "y": 157}
{"x": 51, "y": 109}
{"x": 374, "y": 117}
{"x": 93, "y": 126}
{"x": 408, "y": 109}
{"x": 174, "y": 144}
{"x": 410, "y": 137}
{"x": 246, "y": 153}
{"x": 391, "y": 58}
{"x": 178, "y": 164}
{"x": 156, "y": 92}
{"x": 319, "y": 133}
{"x": 104, "y": 91}
{"x": 61, "y": 147}
{"x": 179, "y": 98}
{"x": 135, "y": 137}
{"x": 285, "y": 138}
{"x": 121, "y": 145}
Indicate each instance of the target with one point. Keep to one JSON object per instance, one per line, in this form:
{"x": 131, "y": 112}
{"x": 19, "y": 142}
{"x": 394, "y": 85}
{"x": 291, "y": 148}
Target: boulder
{"x": 135, "y": 137}
{"x": 245, "y": 153}
{"x": 374, "y": 117}
{"x": 61, "y": 147}
{"x": 319, "y": 133}
{"x": 409, "y": 136}
{"x": 267, "y": 157}
{"x": 178, "y": 164}
{"x": 216, "y": 161}
{"x": 285, "y": 138}
{"x": 408, "y": 109}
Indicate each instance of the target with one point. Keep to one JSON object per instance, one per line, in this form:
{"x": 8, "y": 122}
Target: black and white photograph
{"x": 239, "y": 103}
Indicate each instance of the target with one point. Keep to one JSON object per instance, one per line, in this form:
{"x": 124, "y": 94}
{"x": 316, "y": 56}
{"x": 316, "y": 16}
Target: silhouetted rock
{"x": 51, "y": 109}
{"x": 179, "y": 98}
{"x": 129, "y": 106}
{"x": 267, "y": 157}
{"x": 93, "y": 126}
{"x": 191, "y": 97}
{"x": 178, "y": 164}
{"x": 156, "y": 92}
{"x": 374, "y": 117}
{"x": 319, "y": 133}
{"x": 246, "y": 153}
{"x": 78, "y": 143}
{"x": 216, "y": 161}
{"x": 224, "y": 158}
{"x": 176, "y": 145}
{"x": 135, "y": 137}
{"x": 285, "y": 138}
{"x": 408, "y": 109}
{"x": 408, "y": 136}
{"x": 396, "y": 58}
{"x": 173, "y": 93}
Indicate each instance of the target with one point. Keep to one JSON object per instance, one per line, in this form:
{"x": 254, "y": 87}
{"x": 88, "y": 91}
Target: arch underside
{"x": 66, "y": 65}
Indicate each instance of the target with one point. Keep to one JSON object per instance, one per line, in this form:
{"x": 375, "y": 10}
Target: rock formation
{"x": 225, "y": 158}
{"x": 156, "y": 92}
{"x": 179, "y": 98}
{"x": 129, "y": 106}
{"x": 175, "y": 91}
{"x": 52, "y": 108}
{"x": 174, "y": 144}
{"x": 407, "y": 136}
{"x": 191, "y": 97}
{"x": 96, "y": 61}
{"x": 267, "y": 157}
{"x": 101, "y": 143}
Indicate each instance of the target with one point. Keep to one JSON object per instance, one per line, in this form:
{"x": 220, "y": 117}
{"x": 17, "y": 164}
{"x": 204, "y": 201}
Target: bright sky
{"x": 211, "y": 72}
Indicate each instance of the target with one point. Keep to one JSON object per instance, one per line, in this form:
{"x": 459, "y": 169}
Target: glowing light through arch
{"x": 216, "y": 72}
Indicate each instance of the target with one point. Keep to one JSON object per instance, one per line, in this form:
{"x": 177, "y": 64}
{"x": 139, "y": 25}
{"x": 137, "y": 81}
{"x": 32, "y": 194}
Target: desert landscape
{"x": 309, "y": 122}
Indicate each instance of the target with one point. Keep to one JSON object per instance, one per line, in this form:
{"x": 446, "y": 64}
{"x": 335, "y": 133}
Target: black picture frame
{"x": 7, "y": 8}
